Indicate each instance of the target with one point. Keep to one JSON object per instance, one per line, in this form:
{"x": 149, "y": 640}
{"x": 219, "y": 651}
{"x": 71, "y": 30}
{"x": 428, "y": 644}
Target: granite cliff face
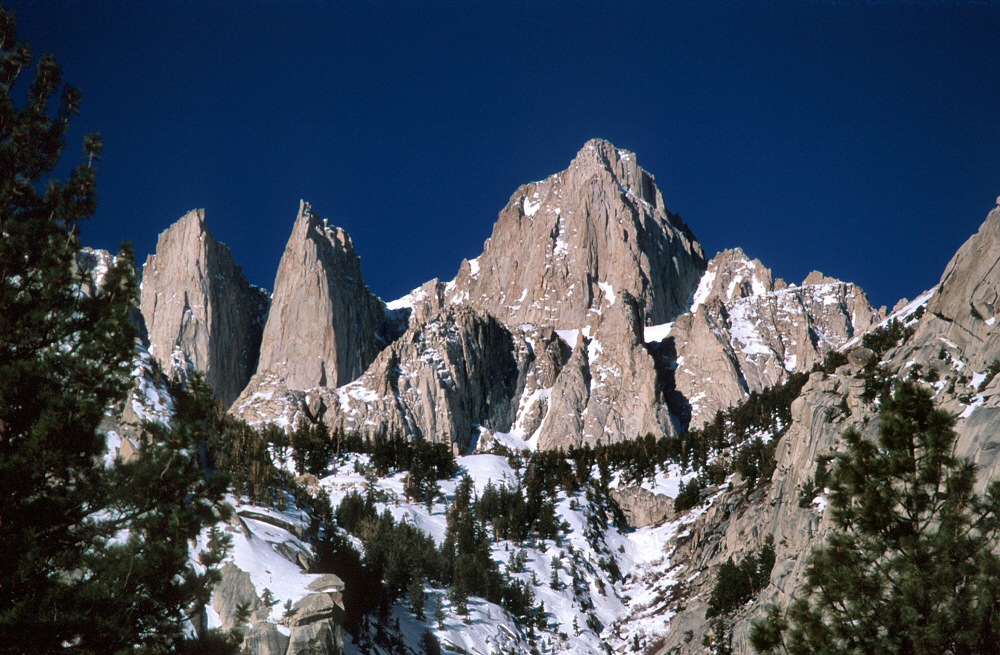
{"x": 325, "y": 325}
{"x": 746, "y": 333}
{"x": 948, "y": 341}
{"x": 608, "y": 390}
{"x": 589, "y": 254}
{"x": 200, "y": 312}
{"x": 563, "y": 245}
{"x": 576, "y": 266}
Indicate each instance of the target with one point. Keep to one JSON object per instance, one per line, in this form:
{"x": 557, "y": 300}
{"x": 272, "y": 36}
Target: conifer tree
{"x": 95, "y": 556}
{"x": 911, "y": 566}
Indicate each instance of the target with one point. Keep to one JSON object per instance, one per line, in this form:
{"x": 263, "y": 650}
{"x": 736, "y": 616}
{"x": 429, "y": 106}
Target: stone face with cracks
{"x": 200, "y": 312}
{"x": 325, "y": 325}
{"x": 563, "y": 245}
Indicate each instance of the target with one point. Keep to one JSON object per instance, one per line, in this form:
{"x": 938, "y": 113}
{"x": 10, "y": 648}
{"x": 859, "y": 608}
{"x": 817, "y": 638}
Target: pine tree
{"x": 911, "y": 566}
{"x": 95, "y": 557}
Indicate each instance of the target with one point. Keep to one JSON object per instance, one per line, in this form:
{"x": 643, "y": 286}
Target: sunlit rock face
{"x": 564, "y": 245}
{"x": 200, "y": 312}
{"x": 325, "y": 325}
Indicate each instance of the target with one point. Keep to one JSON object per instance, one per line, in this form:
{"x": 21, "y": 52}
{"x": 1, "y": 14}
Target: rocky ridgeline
{"x": 200, "y": 312}
{"x": 950, "y": 342}
{"x": 540, "y": 337}
{"x": 746, "y": 333}
{"x": 471, "y": 362}
{"x": 563, "y": 245}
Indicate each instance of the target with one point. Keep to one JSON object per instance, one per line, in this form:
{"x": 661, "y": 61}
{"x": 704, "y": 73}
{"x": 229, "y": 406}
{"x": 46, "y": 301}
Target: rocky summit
{"x": 563, "y": 246}
{"x": 597, "y": 301}
{"x": 591, "y": 319}
{"x": 200, "y": 312}
{"x": 325, "y": 325}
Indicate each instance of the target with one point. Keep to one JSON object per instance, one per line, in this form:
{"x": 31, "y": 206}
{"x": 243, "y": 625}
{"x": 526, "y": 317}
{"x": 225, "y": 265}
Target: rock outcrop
{"x": 643, "y": 507}
{"x": 947, "y": 339}
{"x": 564, "y": 245}
{"x": 325, "y": 325}
{"x": 200, "y": 312}
{"x": 747, "y": 333}
{"x": 966, "y": 305}
{"x": 441, "y": 381}
{"x": 608, "y": 391}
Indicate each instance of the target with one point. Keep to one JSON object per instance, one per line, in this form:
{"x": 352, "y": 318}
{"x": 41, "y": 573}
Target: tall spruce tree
{"x": 94, "y": 558}
{"x": 911, "y": 566}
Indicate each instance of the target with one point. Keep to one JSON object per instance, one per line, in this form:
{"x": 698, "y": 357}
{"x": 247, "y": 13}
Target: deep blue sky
{"x": 861, "y": 139}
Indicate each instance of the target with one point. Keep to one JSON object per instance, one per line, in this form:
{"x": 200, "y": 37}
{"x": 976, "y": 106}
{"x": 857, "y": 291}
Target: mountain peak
{"x": 566, "y": 244}
{"x": 323, "y": 326}
{"x": 199, "y": 309}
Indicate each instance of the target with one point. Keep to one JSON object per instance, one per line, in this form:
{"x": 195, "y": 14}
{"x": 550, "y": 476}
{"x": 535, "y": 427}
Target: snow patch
{"x": 701, "y": 293}
{"x": 569, "y": 336}
{"x": 609, "y": 292}
{"x": 656, "y": 333}
{"x": 531, "y": 206}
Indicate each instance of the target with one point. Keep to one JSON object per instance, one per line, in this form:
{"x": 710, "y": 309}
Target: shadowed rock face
{"x": 325, "y": 325}
{"x": 200, "y": 312}
{"x": 561, "y": 245}
{"x": 439, "y": 381}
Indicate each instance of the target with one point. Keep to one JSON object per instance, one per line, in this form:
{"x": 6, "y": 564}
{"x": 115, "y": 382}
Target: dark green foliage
{"x": 429, "y": 461}
{"x": 213, "y": 643}
{"x": 755, "y": 461}
{"x": 719, "y": 642}
{"x": 689, "y": 495}
{"x": 362, "y": 589}
{"x": 820, "y": 479}
{"x": 911, "y": 566}
{"x": 312, "y": 448}
{"x": 517, "y": 513}
{"x": 738, "y": 583}
{"x": 417, "y": 596}
{"x": 882, "y": 339}
{"x": 398, "y": 552}
{"x": 94, "y": 556}
{"x": 878, "y": 381}
{"x": 430, "y": 644}
{"x": 353, "y": 510}
{"x": 991, "y": 372}
{"x": 466, "y": 550}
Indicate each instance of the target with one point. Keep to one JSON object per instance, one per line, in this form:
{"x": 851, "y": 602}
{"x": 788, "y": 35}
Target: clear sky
{"x": 860, "y": 139}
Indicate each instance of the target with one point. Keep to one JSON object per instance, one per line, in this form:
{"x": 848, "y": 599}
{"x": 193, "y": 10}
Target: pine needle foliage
{"x": 911, "y": 566}
{"x": 95, "y": 556}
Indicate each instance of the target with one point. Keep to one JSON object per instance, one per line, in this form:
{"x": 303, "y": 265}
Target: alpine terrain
{"x": 593, "y": 439}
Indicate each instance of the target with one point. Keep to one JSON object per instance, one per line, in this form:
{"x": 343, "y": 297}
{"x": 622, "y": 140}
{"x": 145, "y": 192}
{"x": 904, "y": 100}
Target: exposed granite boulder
{"x": 199, "y": 310}
{"x": 325, "y": 325}
{"x": 316, "y": 625}
{"x": 265, "y": 638}
{"x": 642, "y": 507}
{"x": 235, "y": 589}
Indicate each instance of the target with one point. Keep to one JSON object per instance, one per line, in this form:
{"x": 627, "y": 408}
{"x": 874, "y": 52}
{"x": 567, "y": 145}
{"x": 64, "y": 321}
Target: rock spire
{"x": 200, "y": 311}
{"x": 325, "y": 325}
